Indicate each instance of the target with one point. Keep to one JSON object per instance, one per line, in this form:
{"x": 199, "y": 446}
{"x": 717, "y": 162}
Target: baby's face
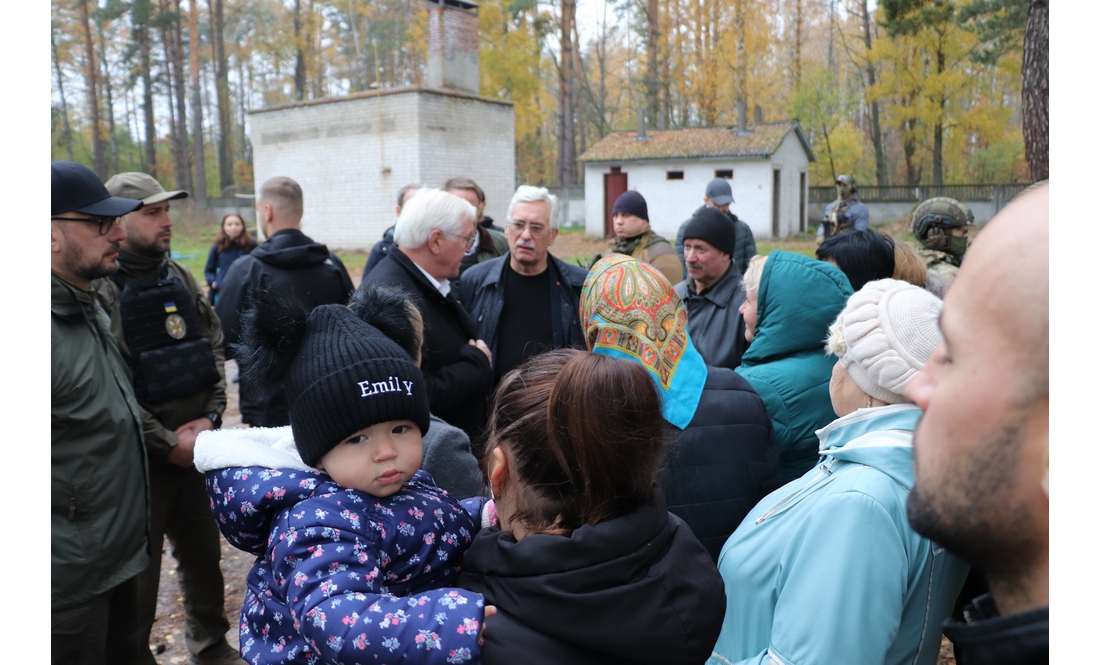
{"x": 377, "y": 459}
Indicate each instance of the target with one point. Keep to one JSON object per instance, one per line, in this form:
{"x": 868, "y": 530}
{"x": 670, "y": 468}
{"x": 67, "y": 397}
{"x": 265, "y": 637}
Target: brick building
{"x": 352, "y": 154}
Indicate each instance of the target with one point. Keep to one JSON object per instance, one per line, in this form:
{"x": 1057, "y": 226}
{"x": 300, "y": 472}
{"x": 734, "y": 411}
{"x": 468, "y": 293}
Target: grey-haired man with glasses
{"x": 526, "y": 301}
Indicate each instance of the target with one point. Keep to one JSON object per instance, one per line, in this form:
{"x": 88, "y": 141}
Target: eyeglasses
{"x": 519, "y": 226}
{"x": 469, "y": 239}
{"x": 105, "y": 223}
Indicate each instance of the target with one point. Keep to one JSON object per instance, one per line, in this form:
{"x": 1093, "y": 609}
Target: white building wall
{"x": 473, "y": 138}
{"x": 335, "y": 152}
{"x": 790, "y": 158}
{"x": 670, "y": 202}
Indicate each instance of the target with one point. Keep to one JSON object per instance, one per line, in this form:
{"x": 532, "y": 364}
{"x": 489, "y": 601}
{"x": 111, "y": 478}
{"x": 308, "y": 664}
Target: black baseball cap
{"x": 75, "y": 188}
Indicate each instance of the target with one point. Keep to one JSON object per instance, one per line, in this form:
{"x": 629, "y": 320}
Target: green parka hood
{"x": 798, "y": 299}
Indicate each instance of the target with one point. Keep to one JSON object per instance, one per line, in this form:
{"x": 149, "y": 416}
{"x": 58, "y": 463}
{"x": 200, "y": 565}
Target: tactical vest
{"x": 838, "y": 221}
{"x": 170, "y": 356}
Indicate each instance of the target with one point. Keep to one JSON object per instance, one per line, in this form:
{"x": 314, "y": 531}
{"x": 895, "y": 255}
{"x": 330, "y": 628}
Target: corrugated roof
{"x": 761, "y": 140}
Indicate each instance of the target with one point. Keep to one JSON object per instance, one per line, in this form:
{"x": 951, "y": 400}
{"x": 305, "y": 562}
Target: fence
{"x": 998, "y": 194}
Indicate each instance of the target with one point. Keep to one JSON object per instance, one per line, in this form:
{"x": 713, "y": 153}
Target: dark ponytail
{"x": 584, "y": 435}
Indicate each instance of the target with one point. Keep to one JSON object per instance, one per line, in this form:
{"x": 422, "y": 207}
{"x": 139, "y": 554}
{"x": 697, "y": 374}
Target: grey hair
{"x": 529, "y": 194}
{"x": 427, "y": 210}
{"x": 405, "y": 190}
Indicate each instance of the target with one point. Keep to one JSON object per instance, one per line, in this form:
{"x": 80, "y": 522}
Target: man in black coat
{"x": 383, "y": 246}
{"x": 289, "y": 262}
{"x": 526, "y": 301}
{"x": 433, "y": 233}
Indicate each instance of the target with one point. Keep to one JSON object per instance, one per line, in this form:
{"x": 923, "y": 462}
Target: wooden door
{"x": 775, "y": 203}
{"x": 614, "y": 186}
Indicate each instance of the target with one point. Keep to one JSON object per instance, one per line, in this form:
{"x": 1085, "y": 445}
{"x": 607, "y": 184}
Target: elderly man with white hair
{"x": 526, "y": 301}
{"x": 433, "y": 233}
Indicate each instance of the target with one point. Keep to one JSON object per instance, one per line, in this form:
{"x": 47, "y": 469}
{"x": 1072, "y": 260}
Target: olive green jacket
{"x": 162, "y": 419}
{"x": 99, "y": 504}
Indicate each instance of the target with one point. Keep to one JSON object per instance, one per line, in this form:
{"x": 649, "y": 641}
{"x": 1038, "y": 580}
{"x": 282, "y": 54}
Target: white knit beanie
{"x": 885, "y": 335}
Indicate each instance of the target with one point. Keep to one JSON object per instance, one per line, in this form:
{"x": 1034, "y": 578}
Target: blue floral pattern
{"x": 345, "y": 577}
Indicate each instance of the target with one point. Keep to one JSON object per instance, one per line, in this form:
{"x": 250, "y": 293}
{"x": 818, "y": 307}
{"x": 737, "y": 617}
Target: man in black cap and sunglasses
{"x": 99, "y": 490}
{"x": 173, "y": 341}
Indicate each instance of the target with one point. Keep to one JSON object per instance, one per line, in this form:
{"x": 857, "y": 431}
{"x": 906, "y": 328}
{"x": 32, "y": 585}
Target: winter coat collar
{"x": 267, "y": 447}
{"x": 879, "y": 437}
{"x": 495, "y": 273}
{"x": 141, "y": 268}
{"x": 68, "y": 300}
{"x": 988, "y": 638}
{"x": 721, "y": 293}
{"x": 291, "y": 249}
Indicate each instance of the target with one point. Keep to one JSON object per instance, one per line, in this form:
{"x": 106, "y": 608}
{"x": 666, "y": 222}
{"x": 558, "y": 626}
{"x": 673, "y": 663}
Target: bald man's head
{"x": 1006, "y": 284}
{"x": 980, "y": 451}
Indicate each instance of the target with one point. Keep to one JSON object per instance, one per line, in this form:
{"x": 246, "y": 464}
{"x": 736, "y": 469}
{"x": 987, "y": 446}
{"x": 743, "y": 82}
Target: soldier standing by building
{"x": 168, "y": 332}
{"x": 847, "y": 213}
{"x": 942, "y": 225}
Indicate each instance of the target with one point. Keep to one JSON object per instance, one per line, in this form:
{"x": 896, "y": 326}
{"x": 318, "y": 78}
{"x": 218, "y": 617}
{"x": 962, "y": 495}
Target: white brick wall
{"x": 670, "y": 202}
{"x": 333, "y": 150}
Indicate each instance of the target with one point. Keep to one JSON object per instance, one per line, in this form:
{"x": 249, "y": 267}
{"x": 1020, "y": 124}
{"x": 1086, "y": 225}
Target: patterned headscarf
{"x": 629, "y": 310}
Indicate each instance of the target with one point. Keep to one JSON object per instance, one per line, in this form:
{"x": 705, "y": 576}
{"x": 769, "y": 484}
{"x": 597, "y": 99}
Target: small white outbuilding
{"x": 766, "y": 164}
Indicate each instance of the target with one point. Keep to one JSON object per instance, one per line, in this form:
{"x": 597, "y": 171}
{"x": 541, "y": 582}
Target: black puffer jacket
{"x": 290, "y": 262}
{"x": 635, "y": 589}
{"x": 724, "y": 462}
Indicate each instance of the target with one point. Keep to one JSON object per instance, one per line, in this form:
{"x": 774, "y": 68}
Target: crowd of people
{"x": 681, "y": 453}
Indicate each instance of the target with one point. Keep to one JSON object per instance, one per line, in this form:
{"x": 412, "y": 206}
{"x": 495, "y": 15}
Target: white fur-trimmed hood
{"x": 267, "y": 447}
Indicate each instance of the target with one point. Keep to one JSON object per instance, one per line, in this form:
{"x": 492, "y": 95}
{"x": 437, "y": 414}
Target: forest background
{"x": 895, "y": 92}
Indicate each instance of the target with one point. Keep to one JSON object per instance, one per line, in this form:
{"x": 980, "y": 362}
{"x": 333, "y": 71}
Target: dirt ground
{"x": 167, "y": 640}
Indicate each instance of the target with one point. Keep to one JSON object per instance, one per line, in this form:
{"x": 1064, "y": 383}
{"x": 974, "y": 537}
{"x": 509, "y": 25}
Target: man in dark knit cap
{"x": 635, "y": 238}
{"x": 713, "y": 291}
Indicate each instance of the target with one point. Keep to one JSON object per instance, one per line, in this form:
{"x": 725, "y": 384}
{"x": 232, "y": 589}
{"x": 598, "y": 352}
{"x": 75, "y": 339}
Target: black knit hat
{"x": 348, "y": 376}
{"x": 713, "y": 226}
{"x": 632, "y": 203}
{"x": 339, "y": 373}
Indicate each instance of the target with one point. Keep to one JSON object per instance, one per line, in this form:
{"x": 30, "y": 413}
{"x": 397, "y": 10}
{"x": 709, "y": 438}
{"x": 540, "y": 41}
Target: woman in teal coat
{"x": 827, "y": 569}
{"x": 790, "y": 300}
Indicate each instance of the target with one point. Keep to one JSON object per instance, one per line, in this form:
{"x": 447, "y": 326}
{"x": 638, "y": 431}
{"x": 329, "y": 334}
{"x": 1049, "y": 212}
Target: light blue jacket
{"x": 827, "y": 569}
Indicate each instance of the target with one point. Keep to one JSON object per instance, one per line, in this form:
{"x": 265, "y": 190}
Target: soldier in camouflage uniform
{"x": 941, "y": 225}
{"x": 847, "y": 213}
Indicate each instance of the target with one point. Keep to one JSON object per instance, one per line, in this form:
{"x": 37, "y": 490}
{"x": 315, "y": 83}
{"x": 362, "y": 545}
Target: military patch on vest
{"x": 175, "y": 326}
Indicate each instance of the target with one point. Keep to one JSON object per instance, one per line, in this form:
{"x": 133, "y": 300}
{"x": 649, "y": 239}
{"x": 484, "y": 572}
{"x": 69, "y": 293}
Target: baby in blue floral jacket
{"x": 356, "y": 547}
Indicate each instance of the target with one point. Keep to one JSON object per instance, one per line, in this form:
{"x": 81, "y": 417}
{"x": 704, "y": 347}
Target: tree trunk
{"x": 143, "y": 12}
{"x": 798, "y": 43}
{"x": 1036, "y": 91}
{"x": 567, "y": 148}
{"x": 937, "y": 130}
{"x": 108, "y": 96}
{"x": 99, "y": 156}
{"x": 653, "y": 40}
{"x": 173, "y": 43}
{"x": 66, "y": 131}
{"x": 578, "y": 74}
{"x": 742, "y": 66}
{"x": 881, "y": 176}
{"x": 300, "y": 59}
{"x": 221, "y": 87}
{"x": 199, "y": 153}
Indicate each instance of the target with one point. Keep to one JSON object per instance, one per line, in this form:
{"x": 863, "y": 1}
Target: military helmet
{"x": 933, "y": 219}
